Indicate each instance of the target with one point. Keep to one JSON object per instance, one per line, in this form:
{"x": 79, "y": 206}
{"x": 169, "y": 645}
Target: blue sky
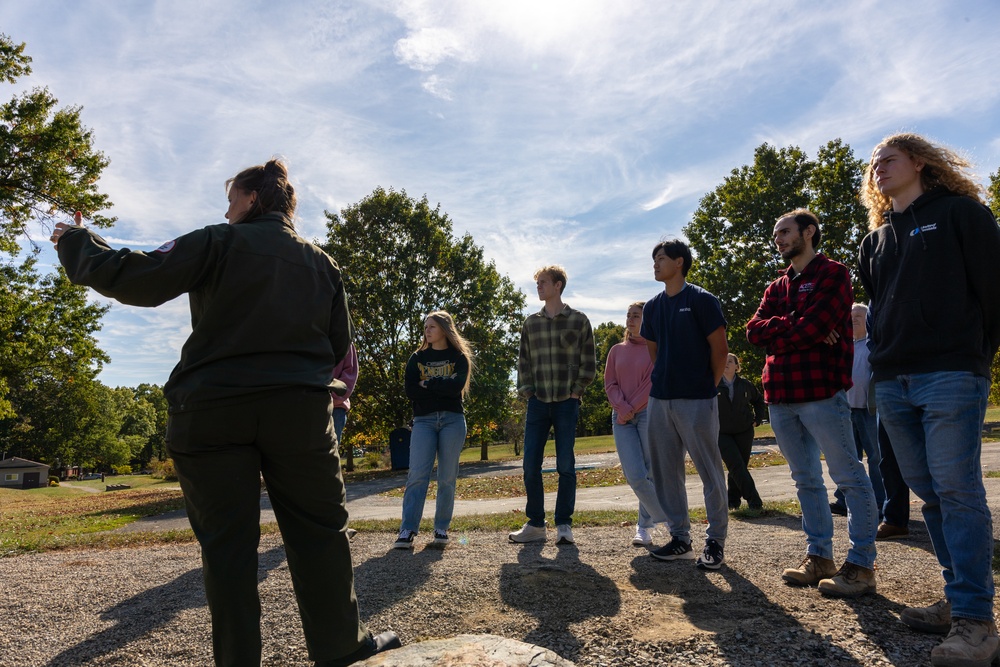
{"x": 566, "y": 132}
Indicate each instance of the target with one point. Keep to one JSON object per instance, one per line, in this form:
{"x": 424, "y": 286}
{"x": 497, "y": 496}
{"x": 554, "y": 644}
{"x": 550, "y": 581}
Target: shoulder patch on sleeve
{"x": 166, "y": 247}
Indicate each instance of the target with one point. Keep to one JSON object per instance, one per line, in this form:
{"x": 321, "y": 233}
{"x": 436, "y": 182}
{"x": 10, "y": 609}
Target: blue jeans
{"x": 561, "y": 416}
{"x": 806, "y": 430}
{"x": 441, "y": 434}
{"x": 866, "y": 438}
{"x": 935, "y": 422}
{"x": 633, "y": 451}
{"x": 339, "y": 421}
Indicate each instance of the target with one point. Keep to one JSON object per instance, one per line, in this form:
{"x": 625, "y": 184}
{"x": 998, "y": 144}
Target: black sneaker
{"x": 676, "y": 550}
{"x": 405, "y": 540}
{"x": 838, "y": 509}
{"x": 440, "y": 538}
{"x": 711, "y": 558}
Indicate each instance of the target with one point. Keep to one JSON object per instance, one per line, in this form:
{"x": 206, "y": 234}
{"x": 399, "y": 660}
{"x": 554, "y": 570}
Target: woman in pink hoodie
{"x": 627, "y": 384}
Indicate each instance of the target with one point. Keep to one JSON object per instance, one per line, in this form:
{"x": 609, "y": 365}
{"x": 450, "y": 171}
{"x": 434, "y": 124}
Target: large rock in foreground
{"x": 468, "y": 651}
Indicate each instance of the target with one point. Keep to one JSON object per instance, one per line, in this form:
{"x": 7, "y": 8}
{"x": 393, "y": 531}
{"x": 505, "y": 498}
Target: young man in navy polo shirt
{"x": 686, "y": 335}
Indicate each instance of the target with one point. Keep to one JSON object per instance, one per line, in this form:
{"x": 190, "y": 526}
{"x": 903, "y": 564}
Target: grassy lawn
{"x": 63, "y": 516}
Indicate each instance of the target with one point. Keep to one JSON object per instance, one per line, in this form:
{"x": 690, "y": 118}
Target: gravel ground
{"x": 601, "y": 602}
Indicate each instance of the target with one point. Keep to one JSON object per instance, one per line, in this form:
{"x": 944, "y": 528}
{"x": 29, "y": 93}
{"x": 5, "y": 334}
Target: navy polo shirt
{"x": 680, "y": 326}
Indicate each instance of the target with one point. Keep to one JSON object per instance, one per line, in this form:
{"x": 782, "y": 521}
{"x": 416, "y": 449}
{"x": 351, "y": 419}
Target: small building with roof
{"x": 17, "y": 473}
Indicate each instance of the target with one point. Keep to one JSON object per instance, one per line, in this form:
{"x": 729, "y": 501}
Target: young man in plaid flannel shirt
{"x": 555, "y": 365}
{"x": 803, "y": 322}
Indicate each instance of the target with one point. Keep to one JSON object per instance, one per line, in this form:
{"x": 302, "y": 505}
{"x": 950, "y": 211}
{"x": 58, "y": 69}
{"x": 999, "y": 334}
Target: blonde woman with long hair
{"x": 437, "y": 378}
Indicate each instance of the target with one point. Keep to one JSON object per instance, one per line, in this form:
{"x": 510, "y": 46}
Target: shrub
{"x": 122, "y": 470}
{"x": 372, "y": 460}
{"x": 164, "y": 470}
{"x": 53, "y": 480}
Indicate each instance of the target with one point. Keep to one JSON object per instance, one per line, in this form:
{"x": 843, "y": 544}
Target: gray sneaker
{"x": 935, "y": 618}
{"x": 969, "y": 644}
{"x": 528, "y": 533}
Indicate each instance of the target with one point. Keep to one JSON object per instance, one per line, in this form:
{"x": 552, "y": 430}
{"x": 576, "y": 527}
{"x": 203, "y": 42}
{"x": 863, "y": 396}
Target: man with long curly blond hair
{"x": 928, "y": 267}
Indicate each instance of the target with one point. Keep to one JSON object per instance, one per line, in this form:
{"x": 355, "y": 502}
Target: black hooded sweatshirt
{"x": 931, "y": 272}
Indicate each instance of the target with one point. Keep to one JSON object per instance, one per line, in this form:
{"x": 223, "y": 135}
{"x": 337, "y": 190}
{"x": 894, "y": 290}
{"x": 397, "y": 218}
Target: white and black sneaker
{"x": 440, "y": 538}
{"x": 712, "y": 557}
{"x": 405, "y": 540}
{"x": 677, "y": 549}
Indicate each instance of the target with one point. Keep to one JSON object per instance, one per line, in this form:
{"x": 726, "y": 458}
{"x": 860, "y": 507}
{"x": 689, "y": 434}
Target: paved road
{"x": 365, "y": 502}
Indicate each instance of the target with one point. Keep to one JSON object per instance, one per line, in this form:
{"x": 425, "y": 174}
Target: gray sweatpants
{"x": 692, "y": 425}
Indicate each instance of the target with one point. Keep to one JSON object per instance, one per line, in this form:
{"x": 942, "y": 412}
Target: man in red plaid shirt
{"x": 803, "y": 322}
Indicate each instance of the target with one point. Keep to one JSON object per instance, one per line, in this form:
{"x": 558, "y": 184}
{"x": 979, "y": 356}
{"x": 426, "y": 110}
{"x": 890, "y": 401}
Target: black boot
{"x": 383, "y": 642}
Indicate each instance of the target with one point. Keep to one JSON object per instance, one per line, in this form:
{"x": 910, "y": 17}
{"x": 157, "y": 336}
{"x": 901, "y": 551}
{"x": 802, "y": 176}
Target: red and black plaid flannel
{"x": 795, "y": 316}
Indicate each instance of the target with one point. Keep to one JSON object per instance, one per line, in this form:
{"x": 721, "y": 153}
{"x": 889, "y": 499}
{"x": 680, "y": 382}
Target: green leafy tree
{"x": 48, "y": 164}
{"x": 730, "y": 232}
{"x": 595, "y": 411}
{"x": 155, "y": 448}
{"x": 400, "y": 261}
{"x": 50, "y": 360}
{"x": 48, "y": 355}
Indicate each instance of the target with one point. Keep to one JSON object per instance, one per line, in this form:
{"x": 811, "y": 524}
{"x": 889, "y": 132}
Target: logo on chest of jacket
{"x": 806, "y": 287}
{"x": 166, "y": 247}
{"x": 686, "y": 309}
{"x": 926, "y": 228}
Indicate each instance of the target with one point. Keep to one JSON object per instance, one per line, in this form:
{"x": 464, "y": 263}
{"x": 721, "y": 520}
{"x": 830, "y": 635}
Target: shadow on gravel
{"x": 749, "y": 629}
{"x": 558, "y": 592}
{"x": 411, "y": 570}
{"x": 149, "y": 610}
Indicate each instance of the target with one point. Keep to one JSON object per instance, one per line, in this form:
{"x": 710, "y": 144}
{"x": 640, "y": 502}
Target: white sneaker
{"x": 564, "y": 534}
{"x": 642, "y": 537}
{"x": 528, "y": 533}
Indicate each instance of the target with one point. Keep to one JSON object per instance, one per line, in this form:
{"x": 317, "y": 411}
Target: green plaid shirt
{"x": 557, "y": 355}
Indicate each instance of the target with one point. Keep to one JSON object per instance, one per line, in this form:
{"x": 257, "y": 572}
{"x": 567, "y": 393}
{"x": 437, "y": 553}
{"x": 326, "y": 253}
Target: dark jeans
{"x": 866, "y": 439}
{"x": 220, "y": 454}
{"x": 896, "y": 510}
{"x": 735, "y": 449}
{"x": 562, "y": 417}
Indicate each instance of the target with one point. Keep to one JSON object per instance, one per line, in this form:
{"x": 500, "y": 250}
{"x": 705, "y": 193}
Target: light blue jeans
{"x": 691, "y": 425}
{"x": 440, "y": 434}
{"x": 805, "y": 431}
{"x": 632, "y": 444}
{"x": 935, "y": 423}
{"x": 339, "y": 421}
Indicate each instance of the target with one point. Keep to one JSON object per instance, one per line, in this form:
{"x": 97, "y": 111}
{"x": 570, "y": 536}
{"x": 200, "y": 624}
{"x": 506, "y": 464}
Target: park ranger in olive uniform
{"x": 251, "y": 396}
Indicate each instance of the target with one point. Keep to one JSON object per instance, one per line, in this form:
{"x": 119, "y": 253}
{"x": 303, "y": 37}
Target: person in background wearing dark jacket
{"x": 437, "y": 377}
{"x": 741, "y": 407}
{"x": 250, "y": 397}
{"x": 862, "y": 419}
{"x": 929, "y": 267}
